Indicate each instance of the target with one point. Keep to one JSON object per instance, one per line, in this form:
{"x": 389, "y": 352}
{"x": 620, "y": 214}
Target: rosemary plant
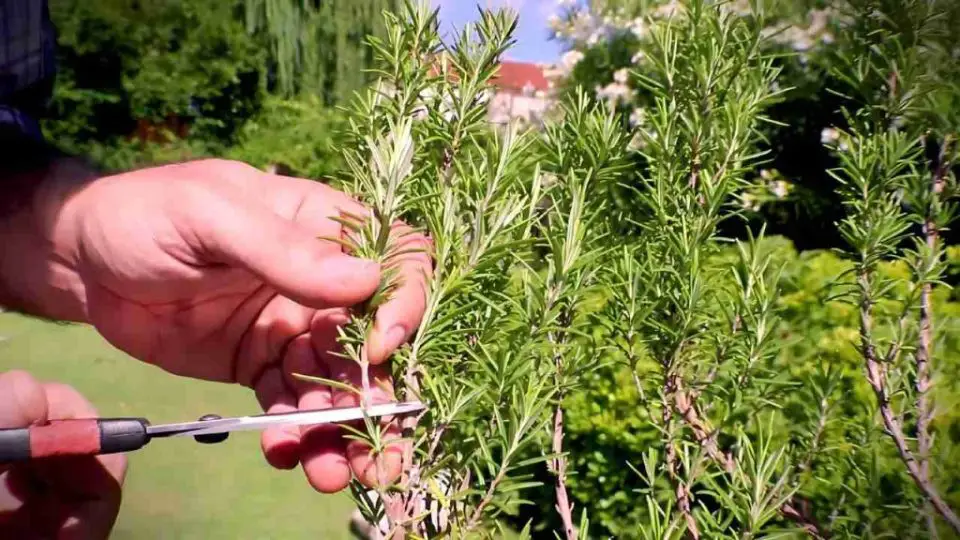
{"x": 593, "y": 244}
{"x": 898, "y": 204}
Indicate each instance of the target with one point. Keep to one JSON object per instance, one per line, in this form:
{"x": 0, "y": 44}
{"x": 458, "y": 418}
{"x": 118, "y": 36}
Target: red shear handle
{"x": 75, "y": 437}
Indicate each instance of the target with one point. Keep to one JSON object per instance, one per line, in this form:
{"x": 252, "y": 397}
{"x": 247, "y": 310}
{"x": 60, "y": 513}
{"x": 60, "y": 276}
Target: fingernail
{"x": 338, "y": 318}
{"x": 395, "y": 337}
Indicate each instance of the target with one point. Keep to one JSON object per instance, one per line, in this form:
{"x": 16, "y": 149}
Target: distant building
{"x": 522, "y": 91}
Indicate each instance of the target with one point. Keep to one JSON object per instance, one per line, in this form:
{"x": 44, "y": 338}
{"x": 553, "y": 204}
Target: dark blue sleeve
{"x": 27, "y": 65}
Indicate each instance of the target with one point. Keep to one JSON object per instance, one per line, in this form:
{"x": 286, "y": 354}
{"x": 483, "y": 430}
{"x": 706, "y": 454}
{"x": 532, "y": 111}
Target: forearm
{"x": 37, "y": 233}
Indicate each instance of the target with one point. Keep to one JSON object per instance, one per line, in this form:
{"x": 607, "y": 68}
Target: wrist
{"x": 38, "y": 235}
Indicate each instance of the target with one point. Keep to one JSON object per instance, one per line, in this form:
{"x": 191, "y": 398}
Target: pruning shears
{"x": 96, "y": 436}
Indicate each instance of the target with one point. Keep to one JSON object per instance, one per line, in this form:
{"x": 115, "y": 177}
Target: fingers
{"x": 386, "y": 467}
{"x": 284, "y": 255}
{"x": 67, "y": 497}
{"x": 328, "y": 459}
{"x": 280, "y": 445}
{"x": 65, "y": 402}
{"x": 322, "y": 448}
{"x": 24, "y": 402}
{"x": 398, "y": 319}
{"x": 263, "y": 343}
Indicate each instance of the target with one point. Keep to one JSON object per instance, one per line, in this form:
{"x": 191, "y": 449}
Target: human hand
{"x": 214, "y": 270}
{"x": 63, "y": 497}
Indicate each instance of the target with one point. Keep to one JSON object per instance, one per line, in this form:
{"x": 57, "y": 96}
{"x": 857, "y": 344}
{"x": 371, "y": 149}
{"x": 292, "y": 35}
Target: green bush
{"x": 792, "y": 195}
{"x": 299, "y": 136}
{"x": 137, "y": 68}
{"x": 608, "y": 422}
{"x": 147, "y": 82}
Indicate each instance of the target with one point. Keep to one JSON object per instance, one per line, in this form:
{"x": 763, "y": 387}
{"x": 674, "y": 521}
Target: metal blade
{"x": 300, "y": 418}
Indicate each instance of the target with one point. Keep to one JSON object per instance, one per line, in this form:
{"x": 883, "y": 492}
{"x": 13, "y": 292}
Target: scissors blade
{"x": 300, "y": 418}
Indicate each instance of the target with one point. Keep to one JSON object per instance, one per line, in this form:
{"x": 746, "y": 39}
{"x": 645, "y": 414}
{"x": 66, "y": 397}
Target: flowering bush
{"x": 594, "y": 344}
{"x": 795, "y": 196}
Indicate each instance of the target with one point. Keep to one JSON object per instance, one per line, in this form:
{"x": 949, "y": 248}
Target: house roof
{"x": 510, "y": 76}
{"x": 518, "y": 75}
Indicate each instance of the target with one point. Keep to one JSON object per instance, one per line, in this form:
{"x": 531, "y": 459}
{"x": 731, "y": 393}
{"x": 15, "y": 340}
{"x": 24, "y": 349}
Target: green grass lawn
{"x": 177, "y": 488}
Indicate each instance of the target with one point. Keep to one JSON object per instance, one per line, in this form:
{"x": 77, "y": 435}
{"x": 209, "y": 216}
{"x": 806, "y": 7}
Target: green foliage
{"x": 609, "y": 425}
{"x": 318, "y": 46}
{"x": 593, "y": 335}
{"x": 756, "y": 417}
{"x": 196, "y": 82}
{"x": 192, "y": 65}
{"x": 299, "y": 136}
{"x": 820, "y": 48}
{"x": 498, "y": 344}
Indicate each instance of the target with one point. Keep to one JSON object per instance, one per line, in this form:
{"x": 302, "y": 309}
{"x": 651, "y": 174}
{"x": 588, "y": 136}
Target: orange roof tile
{"x": 518, "y": 75}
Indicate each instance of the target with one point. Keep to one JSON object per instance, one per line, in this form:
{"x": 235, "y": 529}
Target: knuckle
{"x": 67, "y": 399}
{"x": 24, "y": 401}
{"x": 224, "y": 169}
{"x": 17, "y": 378}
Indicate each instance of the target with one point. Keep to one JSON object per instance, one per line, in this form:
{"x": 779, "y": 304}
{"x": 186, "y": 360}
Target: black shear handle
{"x": 73, "y": 437}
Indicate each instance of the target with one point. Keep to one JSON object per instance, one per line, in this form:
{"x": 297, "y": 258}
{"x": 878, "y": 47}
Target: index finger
{"x": 24, "y": 402}
{"x": 398, "y": 319}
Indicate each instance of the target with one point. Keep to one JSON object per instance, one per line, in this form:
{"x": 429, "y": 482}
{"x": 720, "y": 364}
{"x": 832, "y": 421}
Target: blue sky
{"x": 532, "y": 37}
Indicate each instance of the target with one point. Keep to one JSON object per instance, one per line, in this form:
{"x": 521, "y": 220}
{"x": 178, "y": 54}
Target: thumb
{"x": 283, "y": 254}
{"x": 24, "y": 402}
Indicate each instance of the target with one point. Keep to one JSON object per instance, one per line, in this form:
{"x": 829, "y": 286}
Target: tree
{"x": 317, "y": 46}
{"x": 193, "y": 70}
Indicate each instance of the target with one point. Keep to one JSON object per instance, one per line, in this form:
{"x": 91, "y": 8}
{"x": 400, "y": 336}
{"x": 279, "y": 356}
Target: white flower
{"x": 621, "y": 75}
{"x": 766, "y": 174}
{"x": 749, "y": 202}
{"x": 615, "y": 92}
{"x": 739, "y": 7}
{"x": 802, "y": 43}
{"x": 829, "y": 136}
{"x": 638, "y": 57}
{"x": 639, "y": 27}
{"x": 583, "y": 26}
{"x": 637, "y": 117}
{"x": 569, "y": 61}
{"x": 780, "y": 189}
{"x": 667, "y": 10}
{"x": 637, "y": 142}
{"x": 554, "y": 22}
